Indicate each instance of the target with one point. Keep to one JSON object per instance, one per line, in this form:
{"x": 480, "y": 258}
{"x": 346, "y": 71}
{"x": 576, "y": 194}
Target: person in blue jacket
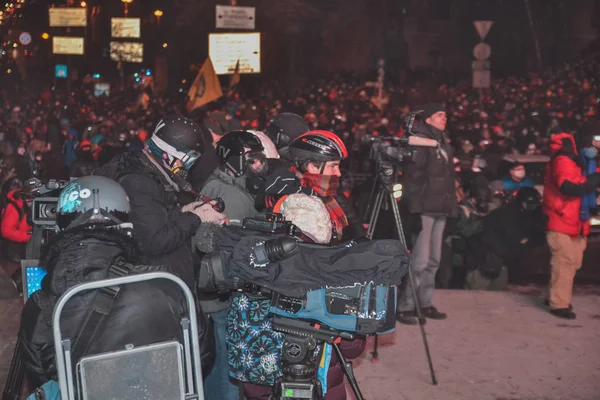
{"x": 516, "y": 178}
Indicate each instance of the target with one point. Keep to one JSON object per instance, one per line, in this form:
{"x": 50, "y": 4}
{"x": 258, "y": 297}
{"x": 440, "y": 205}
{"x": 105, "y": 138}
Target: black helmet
{"x": 238, "y": 150}
{"x": 528, "y": 198}
{"x": 286, "y": 127}
{"x": 93, "y": 201}
{"x": 320, "y": 146}
{"x": 177, "y": 138}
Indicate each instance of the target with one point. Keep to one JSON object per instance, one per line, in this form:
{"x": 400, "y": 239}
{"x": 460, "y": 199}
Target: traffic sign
{"x": 482, "y": 79}
{"x": 480, "y": 65}
{"x": 483, "y": 27}
{"x": 482, "y": 51}
{"x": 25, "y": 38}
{"x": 60, "y": 71}
{"x": 235, "y": 17}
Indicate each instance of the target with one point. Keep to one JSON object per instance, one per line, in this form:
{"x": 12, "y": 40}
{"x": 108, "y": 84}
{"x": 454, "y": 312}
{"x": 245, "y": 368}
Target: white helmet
{"x": 270, "y": 150}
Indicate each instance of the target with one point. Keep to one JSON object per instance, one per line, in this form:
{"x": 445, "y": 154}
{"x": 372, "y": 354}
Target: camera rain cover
{"x": 380, "y": 262}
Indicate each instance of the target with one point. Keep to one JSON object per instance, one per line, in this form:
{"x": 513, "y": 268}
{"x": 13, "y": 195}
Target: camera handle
{"x": 384, "y": 193}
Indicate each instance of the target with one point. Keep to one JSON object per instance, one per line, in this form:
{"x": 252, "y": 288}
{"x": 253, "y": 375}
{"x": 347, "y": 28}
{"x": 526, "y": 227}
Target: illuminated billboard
{"x": 225, "y": 49}
{"x": 127, "y": 52}
{"x": 125, "y": 27}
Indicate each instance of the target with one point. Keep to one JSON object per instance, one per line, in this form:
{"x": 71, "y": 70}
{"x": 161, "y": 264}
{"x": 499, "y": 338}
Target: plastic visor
{"x": 188, "y": 158}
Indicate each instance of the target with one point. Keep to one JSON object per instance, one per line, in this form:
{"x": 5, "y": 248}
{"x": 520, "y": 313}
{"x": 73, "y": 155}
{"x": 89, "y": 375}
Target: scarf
{"x": 588, "y": 200}
{"x": 326, "y": 188}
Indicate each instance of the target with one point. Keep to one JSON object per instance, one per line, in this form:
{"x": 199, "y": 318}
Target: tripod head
{"x": 386, "y": 172}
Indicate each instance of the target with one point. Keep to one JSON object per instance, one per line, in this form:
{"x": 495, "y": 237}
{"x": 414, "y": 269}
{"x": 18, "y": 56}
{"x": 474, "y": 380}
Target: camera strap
{"x": 101, "y": 308}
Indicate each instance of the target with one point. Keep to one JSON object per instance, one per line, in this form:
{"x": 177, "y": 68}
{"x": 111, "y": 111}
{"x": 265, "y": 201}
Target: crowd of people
{"x": 266, "y": 148}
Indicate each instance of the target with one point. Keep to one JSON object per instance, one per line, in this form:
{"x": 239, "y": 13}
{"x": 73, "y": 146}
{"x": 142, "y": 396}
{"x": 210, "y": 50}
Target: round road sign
{"x": 25, "y": 38}
{"x": 482, "y": 51}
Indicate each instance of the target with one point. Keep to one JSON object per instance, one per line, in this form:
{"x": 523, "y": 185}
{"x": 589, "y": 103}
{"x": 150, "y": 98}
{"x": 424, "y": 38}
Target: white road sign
{"x": 482, "y": 51}
{"x": 67, "y": 45}
{"x": 235, "y": 17}
{"x": 482, "y": 79}
{"x": 483, "y": 27}
{"x": 225, "y": 49}
{"x": 73, "y": 16}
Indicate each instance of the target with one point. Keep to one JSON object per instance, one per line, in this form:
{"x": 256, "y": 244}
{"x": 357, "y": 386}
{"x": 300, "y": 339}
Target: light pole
{"x": 126, "y": 3}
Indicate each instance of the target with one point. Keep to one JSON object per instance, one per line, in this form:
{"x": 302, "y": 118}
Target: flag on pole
{"x": 206, "y": 87}
{"x": 235, "y": 78}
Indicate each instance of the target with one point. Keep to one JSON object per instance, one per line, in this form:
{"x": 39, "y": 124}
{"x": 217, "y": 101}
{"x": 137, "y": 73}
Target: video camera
{"x": 313, "y": 293}
{"x": 45, "y": 203}
{"x": 393, "y": 148}
{"x": 43, "y": 214}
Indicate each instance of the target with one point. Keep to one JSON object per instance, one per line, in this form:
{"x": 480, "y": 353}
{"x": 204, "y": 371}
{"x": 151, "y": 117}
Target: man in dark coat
{"x": 155, "y": 181}
{"x": 88, "y": 247}
{"x": 430, "y": 193}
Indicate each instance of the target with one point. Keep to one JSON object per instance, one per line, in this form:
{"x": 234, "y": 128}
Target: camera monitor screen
{"x": 33, "y": 274}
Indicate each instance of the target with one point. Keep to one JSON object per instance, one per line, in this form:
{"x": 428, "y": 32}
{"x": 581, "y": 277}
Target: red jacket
{"x": 14, "y": 221}
{"x": 563, "y": 211}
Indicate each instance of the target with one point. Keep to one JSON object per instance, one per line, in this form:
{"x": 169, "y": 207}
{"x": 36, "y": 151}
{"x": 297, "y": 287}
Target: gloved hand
{"x": 205, "y": 212}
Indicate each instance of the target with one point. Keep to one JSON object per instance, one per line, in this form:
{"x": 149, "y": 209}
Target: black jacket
{"x": 162, "y": 231}
{"x": 429, "y": 176}
{"x": 143, "y": 313}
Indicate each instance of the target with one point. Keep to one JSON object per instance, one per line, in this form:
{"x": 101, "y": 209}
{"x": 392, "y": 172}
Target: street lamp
{"x": 158, "y": 14}
{"x": 45, "y": 36}
{"x": 126, "y": 4}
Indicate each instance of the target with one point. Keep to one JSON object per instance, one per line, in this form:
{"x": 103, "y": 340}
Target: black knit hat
{"x": 431, "y": 109}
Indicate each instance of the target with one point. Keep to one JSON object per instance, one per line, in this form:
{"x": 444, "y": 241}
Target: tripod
{"x": 384, "y": 180}
{"x": 300, "y": 359}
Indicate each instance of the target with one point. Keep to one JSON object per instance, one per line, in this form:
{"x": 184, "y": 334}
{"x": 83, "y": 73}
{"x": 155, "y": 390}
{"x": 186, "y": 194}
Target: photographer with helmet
{"x": 316, "y": 156}
{"x": 96, "y": 242}
{"x": 242, "y": 163}
{"x": 155, "y": 180}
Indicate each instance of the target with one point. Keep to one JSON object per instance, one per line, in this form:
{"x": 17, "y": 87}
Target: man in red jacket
{"x": 564, "y": 186}
{"x": 16, "y": 232}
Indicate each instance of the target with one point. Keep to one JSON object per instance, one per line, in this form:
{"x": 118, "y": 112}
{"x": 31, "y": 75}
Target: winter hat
{"x": 431, "y": 109}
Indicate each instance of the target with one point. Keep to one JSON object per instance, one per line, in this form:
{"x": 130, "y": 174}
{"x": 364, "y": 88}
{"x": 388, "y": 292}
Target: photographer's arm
{"x": 158, "y": 230}
{"x": 570, "y": 181}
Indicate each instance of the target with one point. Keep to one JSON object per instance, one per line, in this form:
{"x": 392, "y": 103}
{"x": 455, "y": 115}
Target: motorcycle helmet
{"x": 286, "y": 127}
{"x": 240, "y": 151}
{"x": 177, "y": 138}
{"x": 319, "y": 146}
{"x": 93, "y": 201}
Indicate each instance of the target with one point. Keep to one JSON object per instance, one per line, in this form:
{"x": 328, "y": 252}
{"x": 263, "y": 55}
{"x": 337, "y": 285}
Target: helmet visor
{"x": 190, "y": 159}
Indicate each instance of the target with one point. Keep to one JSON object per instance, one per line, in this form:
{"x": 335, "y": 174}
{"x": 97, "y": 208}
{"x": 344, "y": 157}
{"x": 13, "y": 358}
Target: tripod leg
{"x": 372, "y": 224}
{"x": 16, "y": 374}
{"x": 349, "y": 372}
{"x": 414, "y": 290}
{"x": 375, "y": 213}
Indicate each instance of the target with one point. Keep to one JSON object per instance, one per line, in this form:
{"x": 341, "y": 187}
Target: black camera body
{"x": 272, "y": 223}
{"x": 45, "y": 203}
{"x": 43, "y": 214}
